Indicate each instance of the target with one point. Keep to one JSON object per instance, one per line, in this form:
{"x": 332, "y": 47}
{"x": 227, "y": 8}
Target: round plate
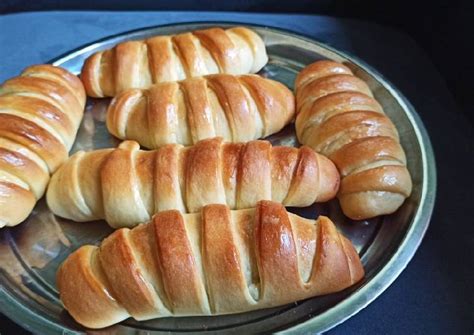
{"x": 31, "y": 252}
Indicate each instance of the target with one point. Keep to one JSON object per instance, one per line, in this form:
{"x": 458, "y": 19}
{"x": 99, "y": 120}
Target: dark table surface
{"x": 434, "y": 295}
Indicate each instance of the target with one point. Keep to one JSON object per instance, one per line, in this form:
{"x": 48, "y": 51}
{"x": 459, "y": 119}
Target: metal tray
{"x": 31, "y": 252}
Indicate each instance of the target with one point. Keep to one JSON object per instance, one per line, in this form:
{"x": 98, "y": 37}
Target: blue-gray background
{"x": 434, "y": 294}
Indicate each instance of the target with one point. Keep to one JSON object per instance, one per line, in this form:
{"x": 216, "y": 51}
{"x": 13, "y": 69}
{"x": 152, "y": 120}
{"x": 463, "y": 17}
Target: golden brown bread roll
{"x": 126, "y": 186}
{"x": 338, "y": 117}
{"x": 209, "y": 263}
{"x": 236, "y": 108}
{"x": 139, "y": 64}
{"x": 40, "y": 112}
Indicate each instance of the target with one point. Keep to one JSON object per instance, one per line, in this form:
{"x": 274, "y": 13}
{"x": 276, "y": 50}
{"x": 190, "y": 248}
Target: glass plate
{"x": 31, "y": 252}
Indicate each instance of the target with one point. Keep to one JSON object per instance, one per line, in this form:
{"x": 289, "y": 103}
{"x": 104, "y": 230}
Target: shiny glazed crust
{"x": 213, "y": 262}
{"x": 338, "y": 117}
{"x": 126, "y": 186}
{"x": 139, "y": 64}
{"x": 236, "y": 108}
{"x": 40, "y": 112}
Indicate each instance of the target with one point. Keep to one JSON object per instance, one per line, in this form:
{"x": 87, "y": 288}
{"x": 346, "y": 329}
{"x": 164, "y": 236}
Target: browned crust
{"x": 220, "y": 46}
{"x": 37, "y": 108}
{"x": 231, "y": 154}
{"x": 199, "y": 115}
{"x": 186, "y": 50}
{"x": 88, "y": 76}
{"x": 230, "y": 94}
{"x": 167, "y": 188}
{"x": 182, "y": 283}
{"x": 254, "y": 174}
{"x": 162, "y": 112}
{"x": 285, "y": 181}
{"x": 348, "y": 127}
{"x": 328, "y": 85}
{"x": 386, "y": 178}
{"x": 331, "y": 271}
{"x": 203, "y": 172}
{"x": 254, "y": 42}
{"x": 161, "y": 61}
{"x": 48, "y": 89}
{"x": 35, "y": 138}
{"x": 120, "y": 267}
{"x": 275, "y": 254}
{"x": 66, "y": 78}
{"x": 25, "y": 169}
{"x": 221, "y": 259}
{"x": 314, "y": 114}
{"x": 367, "y": 150}
{"x": 275, "y": 102}
{"x": 318, "y": 70}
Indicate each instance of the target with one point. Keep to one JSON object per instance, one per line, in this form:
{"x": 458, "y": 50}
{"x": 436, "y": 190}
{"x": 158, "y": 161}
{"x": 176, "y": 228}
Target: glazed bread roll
{"x": 40, "y": 112}
{"x": 209, "y": 263}
{"x": 139, "y": 64}
{"x": 236, "y": 108}
{"x": 126, "y": 186}
{"x": 338, "y": 117}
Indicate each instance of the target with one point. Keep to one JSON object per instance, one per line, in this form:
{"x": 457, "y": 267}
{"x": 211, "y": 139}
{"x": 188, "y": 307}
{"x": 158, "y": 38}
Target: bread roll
{"x": 126, "y": 186}
{"x": 209, "y": 263}
{"x": 139, "y": 64}
{"x": 40, "y": 112}
{"x": 338, "y": 117}
{"x": 236, "y": 108}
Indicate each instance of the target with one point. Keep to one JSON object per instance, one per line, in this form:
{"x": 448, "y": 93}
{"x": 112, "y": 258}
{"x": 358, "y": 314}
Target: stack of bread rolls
{"x": 203, "y": 227}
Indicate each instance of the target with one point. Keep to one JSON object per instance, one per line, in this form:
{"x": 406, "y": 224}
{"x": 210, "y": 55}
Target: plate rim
{"x": 362, "y": 296}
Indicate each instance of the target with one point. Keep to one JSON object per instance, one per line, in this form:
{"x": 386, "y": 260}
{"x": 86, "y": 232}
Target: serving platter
{"x": 31, "y": 252}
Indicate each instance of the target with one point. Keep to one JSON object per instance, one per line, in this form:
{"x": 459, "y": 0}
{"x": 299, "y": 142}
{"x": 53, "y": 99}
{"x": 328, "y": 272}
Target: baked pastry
{"x": 126, "y": 186}
{"x": 209, "y": 263}
{"x": 338, "y": 117}
{"x": 236, "y": 108}
{"x": 139, "y": 64}
{"x": 40, "y": 112}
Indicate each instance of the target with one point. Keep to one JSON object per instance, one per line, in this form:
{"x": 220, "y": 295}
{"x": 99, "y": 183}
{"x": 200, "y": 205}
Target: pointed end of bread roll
{"x": 288, "y": 103}
{"x": 81, "y": 286}
{"x": 119, "y": 110}
{"x": 329, "y": 179}
{"x": 369, "y": 204}
{"x": 373, "y": 192}
{"x": 129, "y": 145}
{"x": 90, "y": 76}
{"x": 260, "y": 52}
{"x": 339, "y": 263}
{"x": 256, "y": 44}
{"x": 353, "y": 260}
{"x": 64, "y": 197}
